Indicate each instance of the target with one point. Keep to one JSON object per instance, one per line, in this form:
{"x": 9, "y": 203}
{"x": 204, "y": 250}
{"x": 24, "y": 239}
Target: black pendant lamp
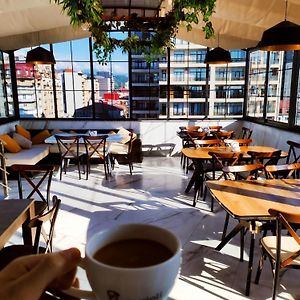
{"x": 281, "y": 37}
{"x": 40, "y": 56}
{"x": 218, "y": 56}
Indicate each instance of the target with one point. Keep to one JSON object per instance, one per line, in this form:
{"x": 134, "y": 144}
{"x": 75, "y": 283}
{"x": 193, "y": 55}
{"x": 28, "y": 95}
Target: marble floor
{"x": 154, "y": 194}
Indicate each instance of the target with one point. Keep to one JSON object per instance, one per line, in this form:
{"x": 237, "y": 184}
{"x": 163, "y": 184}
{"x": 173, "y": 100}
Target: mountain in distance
{"x": 120, "y": 80}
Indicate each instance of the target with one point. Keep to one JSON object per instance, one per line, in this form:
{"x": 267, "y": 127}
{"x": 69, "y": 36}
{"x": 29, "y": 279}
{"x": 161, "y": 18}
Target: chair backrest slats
{"x": 246, "y": 133}
{"x": 283, "y": 171}
{"x": 27, "y": 172}
{"x": 37, "y": 222}
{"x": 293, "y": 153}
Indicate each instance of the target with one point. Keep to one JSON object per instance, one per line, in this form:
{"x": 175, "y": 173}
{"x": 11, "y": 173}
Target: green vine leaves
{"x": 154, "y": 34}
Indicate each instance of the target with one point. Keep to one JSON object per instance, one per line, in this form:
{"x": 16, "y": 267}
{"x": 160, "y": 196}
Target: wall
{"x": 155, "y": 132}
{"x": 151, "y": 132}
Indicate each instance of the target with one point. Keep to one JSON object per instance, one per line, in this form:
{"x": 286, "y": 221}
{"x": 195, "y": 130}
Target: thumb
{"x": 52, "y": 266}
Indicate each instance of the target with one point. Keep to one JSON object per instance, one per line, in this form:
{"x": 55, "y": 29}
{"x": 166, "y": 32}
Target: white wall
{"x": 161, "y": 131}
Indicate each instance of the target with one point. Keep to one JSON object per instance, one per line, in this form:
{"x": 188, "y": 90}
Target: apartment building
{"x": 196, "y": 89}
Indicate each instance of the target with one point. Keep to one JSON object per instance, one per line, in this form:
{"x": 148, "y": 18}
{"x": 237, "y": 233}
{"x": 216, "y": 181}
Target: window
{"x": 198, "y": 56}
{"x": 256, "y": 87}
{"x": 279, "y": 87}
{"x": 178, "y": 55}
{"x": 163, "y": 75}
{"x": 196, "y": 109}
{"x": 197, "y": 91}
{"x": 178, "y": 74}
{"x": 236, "y": 73}
{"x": 7, "y": 105}
{"x": 197, "y": 74}
{"x": 178, "y": 109}
{"x": 238, "y": 55}
{"x": 221, "y": 73}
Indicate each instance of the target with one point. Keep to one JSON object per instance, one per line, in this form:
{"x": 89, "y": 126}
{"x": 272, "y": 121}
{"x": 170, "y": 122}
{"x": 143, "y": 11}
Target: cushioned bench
{"x": 27, "y": 156}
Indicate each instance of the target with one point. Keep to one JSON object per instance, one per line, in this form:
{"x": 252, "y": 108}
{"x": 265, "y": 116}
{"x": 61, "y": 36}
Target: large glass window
{"x": 7, "y": 107}
{"x": 35, "y": 87}
{"x": 256, "y": 86}
{"x": 279, "y": 86}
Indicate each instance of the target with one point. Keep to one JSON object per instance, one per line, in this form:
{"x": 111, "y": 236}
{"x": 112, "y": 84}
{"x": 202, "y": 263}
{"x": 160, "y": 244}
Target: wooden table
{"x": 250, "y": 201}
{"x": 200, "y": 154}
{"x": 14, "y": 213}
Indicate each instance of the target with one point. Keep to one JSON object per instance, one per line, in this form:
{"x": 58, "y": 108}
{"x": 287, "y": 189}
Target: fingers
{"x": 55, "y": 265}
{"x": 27, "y": 277}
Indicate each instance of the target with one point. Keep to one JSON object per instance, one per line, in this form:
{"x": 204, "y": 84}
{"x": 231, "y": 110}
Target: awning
{"x": 237, "y": 23}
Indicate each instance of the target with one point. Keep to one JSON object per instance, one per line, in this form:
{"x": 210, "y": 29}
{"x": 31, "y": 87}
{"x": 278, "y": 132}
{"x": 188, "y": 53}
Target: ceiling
{"x": 237, "y": 23}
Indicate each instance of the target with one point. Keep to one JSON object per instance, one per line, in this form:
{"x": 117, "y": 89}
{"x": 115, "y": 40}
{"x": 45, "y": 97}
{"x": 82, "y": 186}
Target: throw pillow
{"x": 10, "y": 144}
{"x": 21, "y": 130}
{"x": 22, "y": 141}
{"x": 125, "y": 133}
{"x": 40, "y": 137}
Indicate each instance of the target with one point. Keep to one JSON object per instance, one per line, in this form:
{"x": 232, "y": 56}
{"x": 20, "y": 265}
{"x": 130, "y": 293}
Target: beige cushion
{"x": 27, "y": 156}
{"x": 288, "y": 247}
{"x": 125, "y": 133}
{"x": 22, "y": 141}
{"x": 118, "y": 148}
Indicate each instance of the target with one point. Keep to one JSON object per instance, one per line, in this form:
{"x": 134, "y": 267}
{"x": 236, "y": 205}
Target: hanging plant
{"x": 158, "y": 31}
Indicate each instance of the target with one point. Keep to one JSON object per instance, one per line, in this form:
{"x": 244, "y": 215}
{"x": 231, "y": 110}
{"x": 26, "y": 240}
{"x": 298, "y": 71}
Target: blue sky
{"x": 80, "y": 49}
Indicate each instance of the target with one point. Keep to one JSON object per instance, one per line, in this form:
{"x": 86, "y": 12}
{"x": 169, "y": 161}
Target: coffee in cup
{"x": 132, "y": 261}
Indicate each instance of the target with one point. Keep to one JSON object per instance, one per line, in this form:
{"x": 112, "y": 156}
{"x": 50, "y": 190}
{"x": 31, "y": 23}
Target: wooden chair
{"x": 222, "y": 135}
{"x": 214, "y": 171}
{"x": 283, "y": 251}
{"x": 240, "y": 172}
{"x": 96, "y": 148}
{"x": 9, "y": 253}
{"x": 266, "y": 158}
{"x": 198, "y": 188}
{"x": 242, "y": 142}
{"x": 69, "y": 149}
{"x": 35, "y": 176}
{"x": 192, "y": 128}
{"x": 209, "y": 143}
{"x": 282, "y": 171}
{"x": 122, "y": 153}
{"x": 246, "y": 133}
{"x": 293, "y": 153}
{"x": 215, "y": 128}
{"x": 193, "y": 139}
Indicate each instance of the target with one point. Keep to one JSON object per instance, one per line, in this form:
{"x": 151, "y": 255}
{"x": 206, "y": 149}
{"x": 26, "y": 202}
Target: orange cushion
{"x": 21, "y": 130}
{"x": 10, "y": 144}
{"x": 40, "y": 137}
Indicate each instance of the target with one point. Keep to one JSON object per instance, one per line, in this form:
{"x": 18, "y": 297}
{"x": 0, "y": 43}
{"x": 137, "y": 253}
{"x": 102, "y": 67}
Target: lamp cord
{"x": 285, "y": 13}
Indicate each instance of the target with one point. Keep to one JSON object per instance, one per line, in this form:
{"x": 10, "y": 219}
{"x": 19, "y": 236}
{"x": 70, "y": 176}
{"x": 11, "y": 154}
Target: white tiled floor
{"x": 155, "y": 194}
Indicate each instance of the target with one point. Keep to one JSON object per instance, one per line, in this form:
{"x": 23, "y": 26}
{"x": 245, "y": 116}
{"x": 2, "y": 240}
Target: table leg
{"x": 230, "y": 235}
{"x": 196, "y": 175}
{"x": 250, "y": 264}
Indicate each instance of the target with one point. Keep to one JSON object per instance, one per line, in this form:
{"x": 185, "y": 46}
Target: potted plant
{"x": 160, "y": 30}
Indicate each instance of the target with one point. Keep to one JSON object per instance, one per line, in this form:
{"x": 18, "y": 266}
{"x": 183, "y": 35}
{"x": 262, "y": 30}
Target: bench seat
{"x": 27, "y": 156}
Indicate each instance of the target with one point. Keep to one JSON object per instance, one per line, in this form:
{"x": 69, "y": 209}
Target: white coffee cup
{"x": 119, "y": 283}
